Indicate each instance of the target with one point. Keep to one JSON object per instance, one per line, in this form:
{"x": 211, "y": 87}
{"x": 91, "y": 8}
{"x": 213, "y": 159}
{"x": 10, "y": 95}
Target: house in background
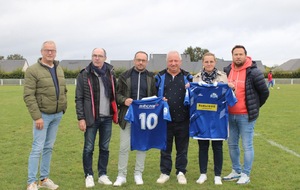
{"x": 221, "y": 63}
{"x": 13, "y": 65}
{"x": 74, "y": 65}
{"x": 157, "y": 62}
{"x": 122, "y": 64}
{"x": 290, "y": 65}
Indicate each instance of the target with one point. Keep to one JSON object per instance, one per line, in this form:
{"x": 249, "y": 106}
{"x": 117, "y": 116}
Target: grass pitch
{"x": 276, "y": 164}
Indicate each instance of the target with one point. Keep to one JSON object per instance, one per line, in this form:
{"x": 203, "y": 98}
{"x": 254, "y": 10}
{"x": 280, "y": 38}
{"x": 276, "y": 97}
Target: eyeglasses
{"x": 98, "y": 56}
{"x": 141, "y": 60}
{"x": 49, "y": 50}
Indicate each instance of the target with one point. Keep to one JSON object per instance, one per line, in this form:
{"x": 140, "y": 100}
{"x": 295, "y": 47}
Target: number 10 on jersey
{"x": 150, "y": 121}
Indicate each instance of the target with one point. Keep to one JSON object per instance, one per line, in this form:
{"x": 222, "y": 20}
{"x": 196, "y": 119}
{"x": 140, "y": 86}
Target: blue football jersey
{"x": 209, "y": 110}
{"x": 148, "y": 120}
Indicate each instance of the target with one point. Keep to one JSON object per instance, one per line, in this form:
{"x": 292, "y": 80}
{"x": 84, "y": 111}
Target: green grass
{"x": 273, "y": 168}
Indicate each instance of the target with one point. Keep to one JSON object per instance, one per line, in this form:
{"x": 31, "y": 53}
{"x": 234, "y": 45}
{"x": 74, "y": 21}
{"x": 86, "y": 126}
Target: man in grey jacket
{"x": 45, "y": 95}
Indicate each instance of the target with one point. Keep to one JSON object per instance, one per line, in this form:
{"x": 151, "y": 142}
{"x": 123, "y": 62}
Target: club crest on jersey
{"x": 213, "y": 95}
{"x": 166, "y": 110}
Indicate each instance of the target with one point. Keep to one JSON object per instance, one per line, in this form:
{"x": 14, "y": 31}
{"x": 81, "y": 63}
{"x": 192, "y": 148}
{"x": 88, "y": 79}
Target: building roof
{"x": 157, "y": 62}
{"x": 290, "y": 65}
{"x": 122, "y": 64}
{"x": 74, "y": 65}
{"x": 222, "y": 63}
{"x": 13, "y": 65}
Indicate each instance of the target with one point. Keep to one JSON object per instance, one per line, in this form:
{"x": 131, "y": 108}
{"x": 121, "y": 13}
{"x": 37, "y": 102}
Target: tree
{"x": 196, "y": 53}
{"x": 15, "y": 57}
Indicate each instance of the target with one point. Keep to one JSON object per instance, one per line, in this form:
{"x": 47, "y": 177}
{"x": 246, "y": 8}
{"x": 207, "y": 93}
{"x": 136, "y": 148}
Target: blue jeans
{"x": 104, "y": 125}
{"x": 42, "y": 145}
{"x": 270, "y": 83}
{"x": 240, "y": 126}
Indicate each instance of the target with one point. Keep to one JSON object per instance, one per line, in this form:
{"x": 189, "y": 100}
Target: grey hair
{"x": 174, "y": 52}
{"x": 100, "y": 48}
{"x": 48, "y": 42}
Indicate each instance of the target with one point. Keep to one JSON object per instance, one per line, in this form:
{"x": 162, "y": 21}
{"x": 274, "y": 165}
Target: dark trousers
{"x": 179, "y": 132}
{"x": 104, "y": 126}
{"x": 217, "y": 147}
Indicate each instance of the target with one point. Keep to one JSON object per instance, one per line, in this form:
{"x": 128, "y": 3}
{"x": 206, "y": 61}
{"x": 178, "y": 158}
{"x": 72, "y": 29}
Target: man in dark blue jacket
{"x": 171, "y": 84}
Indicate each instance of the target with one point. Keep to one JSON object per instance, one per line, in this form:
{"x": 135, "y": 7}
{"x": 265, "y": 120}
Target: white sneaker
{"x": 163, "y": 178}
{"x": 244, "y": 179}
{"x": 232, "y": 176}
{"x": 138, "y": 180}
{"x": 181, "y": 178}
{"x": 104, "y": 180}
{"x": 32, "y": 186}
{"x": 48, "y": 183}
{"x": 202, "y": 179}
{"x": 89, "y": 181}
{"x": 218, "y": 180}
{"x": 120, "y": 181}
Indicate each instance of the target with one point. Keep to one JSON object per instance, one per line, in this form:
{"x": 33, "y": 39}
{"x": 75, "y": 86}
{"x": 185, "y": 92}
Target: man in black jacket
{"x": 133, "y": 84}
{"x": 252, "y": 92}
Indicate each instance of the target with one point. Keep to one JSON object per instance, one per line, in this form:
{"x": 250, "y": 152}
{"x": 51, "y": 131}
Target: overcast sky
{"x": 269, "y": 29}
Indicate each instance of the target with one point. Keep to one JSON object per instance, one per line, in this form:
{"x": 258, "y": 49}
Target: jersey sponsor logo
{"x": 147, "y": 106}
{"x": 207, "y": 107}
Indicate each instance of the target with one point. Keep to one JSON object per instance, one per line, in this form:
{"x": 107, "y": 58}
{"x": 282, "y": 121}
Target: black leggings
{"x": 217, "y": 147}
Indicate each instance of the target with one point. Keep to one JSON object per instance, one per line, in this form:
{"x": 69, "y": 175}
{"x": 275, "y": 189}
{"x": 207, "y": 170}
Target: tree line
{"x": 12, "y": 57}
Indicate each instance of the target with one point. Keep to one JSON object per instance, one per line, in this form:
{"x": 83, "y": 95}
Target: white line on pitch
{"x": 273, "y": 143}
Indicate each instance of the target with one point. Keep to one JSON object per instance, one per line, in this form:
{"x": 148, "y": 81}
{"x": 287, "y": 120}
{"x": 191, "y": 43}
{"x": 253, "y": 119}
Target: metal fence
{"x": 20, "y": 82}
{"x": 287, "y": 81}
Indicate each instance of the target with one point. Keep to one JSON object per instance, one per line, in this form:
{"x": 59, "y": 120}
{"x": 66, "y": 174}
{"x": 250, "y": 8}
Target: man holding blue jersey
{"x": 171, "y": 84}
{"x": 133, "y": 84}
